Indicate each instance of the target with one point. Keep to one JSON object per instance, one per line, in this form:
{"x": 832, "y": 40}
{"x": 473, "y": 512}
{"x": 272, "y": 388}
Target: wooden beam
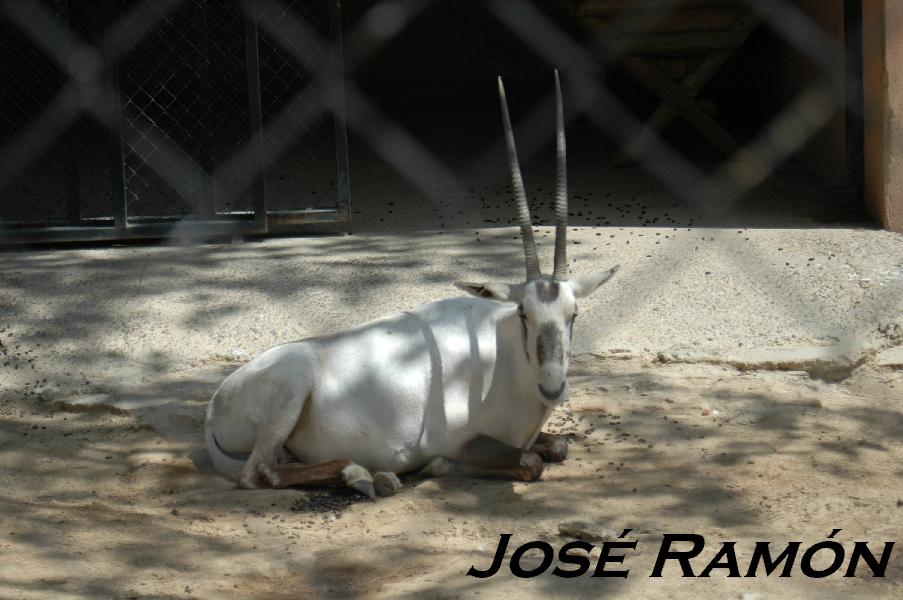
{"x": 611, "y": 8}
{"x": 692, "y": 84}
{"x": 680, "y": 21}
{"x": 662, "y": 86}
{"x": 663, "y": 44}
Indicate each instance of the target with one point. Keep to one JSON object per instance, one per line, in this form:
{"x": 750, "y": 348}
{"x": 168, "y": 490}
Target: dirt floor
{"x": 109, "y": 503}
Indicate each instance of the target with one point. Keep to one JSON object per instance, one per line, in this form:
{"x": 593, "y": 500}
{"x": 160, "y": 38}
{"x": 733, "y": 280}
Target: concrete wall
{"x": 883, "y": 81}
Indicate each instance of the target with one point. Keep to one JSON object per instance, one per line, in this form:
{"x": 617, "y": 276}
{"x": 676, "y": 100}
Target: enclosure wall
{"x": 883, "y": 81}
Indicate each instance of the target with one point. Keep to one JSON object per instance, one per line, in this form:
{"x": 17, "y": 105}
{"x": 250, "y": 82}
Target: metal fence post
{"x": 202, "y": 65}
{"x": 255, "y": 110}
{"x": 71, "y": 178}
{"x": 118, "y": 198}
{"x": 337, "y": 98}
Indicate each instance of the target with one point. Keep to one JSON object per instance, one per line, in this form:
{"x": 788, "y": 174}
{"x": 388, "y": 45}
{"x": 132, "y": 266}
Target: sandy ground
{"x": 111, "y": 503}
{"x": 109, "y": 354}
{"x": 794, "y": 337}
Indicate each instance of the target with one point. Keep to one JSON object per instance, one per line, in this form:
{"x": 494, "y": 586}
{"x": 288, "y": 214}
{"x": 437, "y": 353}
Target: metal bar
{"x": 118, "y": 192}
{"x": 207, "y": 204}
{"x": 337, "y": 92}
{"x": 609, "y": 8}
{"x": 287, "y": 219}
{"x": 198, "y": 229}
{"x": 855, "y": 105}
{"x": 255, "y": 110}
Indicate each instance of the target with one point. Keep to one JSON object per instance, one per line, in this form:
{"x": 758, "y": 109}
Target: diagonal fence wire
{"x": 145, "y": 139}
{"x": 167, "y": 159}
{"x": 709, "y": 195}
{"x": 585, "y": 67}
{"x": 395, "y": 144}
{"x": 744, "y": 171}
{"x": 751, "y": 165}
{"x": 82, "y": 63}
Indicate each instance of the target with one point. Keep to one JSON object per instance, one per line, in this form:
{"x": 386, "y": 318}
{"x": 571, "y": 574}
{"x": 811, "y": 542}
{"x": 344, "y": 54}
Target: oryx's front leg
{"x": 331, "y": 473}
{"x": 551, "y": 447}
{"x": 484, "y": 456}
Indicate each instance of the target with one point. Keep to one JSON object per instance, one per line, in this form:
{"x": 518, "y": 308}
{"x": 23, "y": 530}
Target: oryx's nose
{"x": 554, "y": 394}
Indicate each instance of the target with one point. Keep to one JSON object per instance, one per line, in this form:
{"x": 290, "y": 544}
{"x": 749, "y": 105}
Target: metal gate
{"x": 126, "y": 118}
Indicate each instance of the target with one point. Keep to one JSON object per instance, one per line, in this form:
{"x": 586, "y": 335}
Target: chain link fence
{"x": 59, "y": 179}
{"x": 119, "y": 117}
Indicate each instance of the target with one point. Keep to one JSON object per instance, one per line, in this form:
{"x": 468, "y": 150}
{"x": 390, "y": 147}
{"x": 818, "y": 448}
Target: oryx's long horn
{"x": 520, "y": 195}
{"x": 561, "y": 189}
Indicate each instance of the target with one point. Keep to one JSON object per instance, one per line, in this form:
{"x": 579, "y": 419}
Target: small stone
{"x": 586, "y": 531}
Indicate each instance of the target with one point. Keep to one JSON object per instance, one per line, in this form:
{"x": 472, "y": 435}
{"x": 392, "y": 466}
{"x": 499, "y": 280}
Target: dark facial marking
{"x": 548, "y": 344}
{"x": 547, "y": 290}
{"x": 523, "y": 328}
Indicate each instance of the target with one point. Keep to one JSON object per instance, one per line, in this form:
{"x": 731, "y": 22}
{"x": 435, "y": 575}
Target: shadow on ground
{"x": 114, "y": 502}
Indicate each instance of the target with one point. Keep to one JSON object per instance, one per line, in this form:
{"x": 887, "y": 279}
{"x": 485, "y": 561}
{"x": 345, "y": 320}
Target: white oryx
{"x": 459, "y": 386}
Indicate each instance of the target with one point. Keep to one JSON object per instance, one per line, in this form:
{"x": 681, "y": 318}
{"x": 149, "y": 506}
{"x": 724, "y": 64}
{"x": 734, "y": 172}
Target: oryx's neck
{"x": 512, "y": 349}
{"x": 522, "y": 387}
{"x": 547, "y": 412}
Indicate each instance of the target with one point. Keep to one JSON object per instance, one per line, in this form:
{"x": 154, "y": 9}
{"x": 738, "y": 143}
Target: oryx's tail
{"x": 223, "y": 463}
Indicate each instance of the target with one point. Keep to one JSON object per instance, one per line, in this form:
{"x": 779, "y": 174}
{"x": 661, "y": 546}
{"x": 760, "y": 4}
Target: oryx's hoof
{"x": 267, "y": 477}
{"x": 386, "y": 483}
{"x": 553, "y": 451}
{"x": 358, "y": 478}
{"x": 531, "y": 466}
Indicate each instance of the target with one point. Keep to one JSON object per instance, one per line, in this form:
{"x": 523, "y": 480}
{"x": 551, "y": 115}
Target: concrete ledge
{"x": 88, "y": 321}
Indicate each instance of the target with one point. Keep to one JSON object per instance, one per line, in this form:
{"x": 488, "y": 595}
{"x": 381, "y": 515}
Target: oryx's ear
{"x": 494, "y": 291}
{"x": 587, "y": 284}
